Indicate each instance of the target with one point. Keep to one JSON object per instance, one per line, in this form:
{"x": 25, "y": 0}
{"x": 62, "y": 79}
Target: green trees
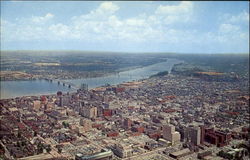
{"x": 160, "y": 74}
{"x": 59, "y": 150}
{"x": 65, "y": 124}
{"x": 41, "y": 147}
{"x": 48, "y": 148}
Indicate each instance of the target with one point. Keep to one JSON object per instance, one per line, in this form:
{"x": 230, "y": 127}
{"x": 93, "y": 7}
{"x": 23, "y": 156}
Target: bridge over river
{"x": 64, "y": 83}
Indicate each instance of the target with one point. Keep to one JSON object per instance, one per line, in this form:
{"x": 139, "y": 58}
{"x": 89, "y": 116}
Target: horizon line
{"x": 148, "y": 52}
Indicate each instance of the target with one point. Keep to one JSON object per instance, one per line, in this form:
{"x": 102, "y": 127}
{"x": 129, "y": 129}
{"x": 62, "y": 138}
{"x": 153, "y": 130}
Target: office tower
{"x": 89, "y": 112}
{"x": 202, "y": 133}
{"x": 195, "y": 135}
{"x": 86, "y": 123}
{"x": 170, "y": 134}
{"x": 36, "y": 105}
{"x": 127, "y": 123}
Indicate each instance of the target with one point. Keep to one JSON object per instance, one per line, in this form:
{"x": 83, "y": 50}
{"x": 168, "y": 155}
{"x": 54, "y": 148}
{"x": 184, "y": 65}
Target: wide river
{"x": 12, "y": 89}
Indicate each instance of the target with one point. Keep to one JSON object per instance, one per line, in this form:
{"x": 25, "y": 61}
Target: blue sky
{"x": 126, "y": 26}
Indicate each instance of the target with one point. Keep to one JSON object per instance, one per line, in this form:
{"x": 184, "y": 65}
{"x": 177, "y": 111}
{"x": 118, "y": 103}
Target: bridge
{"x": 64, "y": 83}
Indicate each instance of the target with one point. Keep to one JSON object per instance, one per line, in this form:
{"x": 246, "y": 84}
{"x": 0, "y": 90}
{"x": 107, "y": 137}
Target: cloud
{"x": 103, "y": 11}
{"x": 175, "y": 13}
{"x": 228, "y": 28}
{"x": 59, "y": 30}
{"x": 42, "y": 19}
{"x": 164, "y": 25}
{"x": 102, "y": 24}
{"x": 26, "y": 29}
{"x": 242, "y": 17}
{"x": 182, "y": 8}
{"x": 109, "y": 7}
{"x": 234, "y": 29}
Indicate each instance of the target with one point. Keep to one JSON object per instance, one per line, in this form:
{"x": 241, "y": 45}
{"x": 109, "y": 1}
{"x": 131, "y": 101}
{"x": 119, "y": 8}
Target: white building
{"x": 170, "y": 134}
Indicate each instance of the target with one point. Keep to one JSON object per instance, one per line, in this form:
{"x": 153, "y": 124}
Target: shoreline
{"x": 101, "y": 85}
{"x": 40, "y": 77}
{"x": 75, "y": 90}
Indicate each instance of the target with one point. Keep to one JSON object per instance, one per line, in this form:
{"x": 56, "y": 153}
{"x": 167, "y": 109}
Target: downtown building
{"x": 170, "y": 134}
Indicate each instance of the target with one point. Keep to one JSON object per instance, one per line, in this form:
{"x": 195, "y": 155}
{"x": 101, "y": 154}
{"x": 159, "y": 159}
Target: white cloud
{"x": 103, "y": 11}
{"x": 104, "y": 22}
{"x": 228, "y": 28}
{"x": 234, "y": 29}
{"x": 42, "y": 19}
{"x": 59, "y": 30}
{"x": 184, "y": 7}
{"x": 109, "y": 7}
{"x": 175, "y": 13}
{"x": 241, "y": 17}
{"x": 103, "y": 25}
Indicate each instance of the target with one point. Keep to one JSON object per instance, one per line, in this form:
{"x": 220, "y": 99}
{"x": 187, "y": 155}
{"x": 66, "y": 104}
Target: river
{"x": 12, "y": 89}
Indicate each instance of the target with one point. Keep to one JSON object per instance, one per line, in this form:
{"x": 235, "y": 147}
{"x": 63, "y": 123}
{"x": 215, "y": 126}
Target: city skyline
{"x": 180, "y": 26}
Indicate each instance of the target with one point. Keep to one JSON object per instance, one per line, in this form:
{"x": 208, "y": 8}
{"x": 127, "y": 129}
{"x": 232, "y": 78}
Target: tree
{"x": 40, "y": 148}
{"x": 19, "y": 134}
{"x": 18, "y": 144}
{"x": 23, "y": 143}
{"x": 48, "y": 148}
{"x": 59, "y": 149}
{"x": 65, "y": 124}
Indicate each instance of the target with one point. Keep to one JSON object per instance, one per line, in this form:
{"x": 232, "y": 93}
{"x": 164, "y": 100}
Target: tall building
{"x": 184, "y": 133}
{"x": 89, "y": 112}
{"x": 84, "y": 87}
{"x": 127, "y": 123}
{"x": 123, "y": 150}
{"x": 170, "y": 134}
{"x": 49, "y": 106}
{"x": 195, "y": 135}
{"x": 36, "y": 105}
{"x": 61, "y": 101}
{"x": 86, "y": 123}
{"x": 66, "y": 100}
{"x": 80, "y": 107}
{"x": 202, "y": 127}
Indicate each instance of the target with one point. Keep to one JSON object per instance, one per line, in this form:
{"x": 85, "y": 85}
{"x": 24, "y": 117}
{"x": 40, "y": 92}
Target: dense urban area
{"x": 194, "y": 112}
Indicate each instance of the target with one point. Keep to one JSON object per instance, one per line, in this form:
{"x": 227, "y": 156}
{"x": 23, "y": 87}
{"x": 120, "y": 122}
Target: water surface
{"x": 11, "y": 89}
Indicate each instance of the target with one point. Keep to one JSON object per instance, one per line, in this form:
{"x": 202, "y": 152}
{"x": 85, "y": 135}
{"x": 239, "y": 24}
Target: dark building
{"x": 218, "y": 138}
{"x": 127, "y": 123}
{"x": 202, "y": 133}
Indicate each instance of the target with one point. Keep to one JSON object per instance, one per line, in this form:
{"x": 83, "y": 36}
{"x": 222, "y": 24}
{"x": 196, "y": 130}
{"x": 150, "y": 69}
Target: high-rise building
{"x": 184, "y": 133}
{"x": 86, "y": 123}
{"x": 170, "y": 134}
{"x": 61, "y": 101}
{"x": 43, "y": 100}
{"x": 195, "y": 135}
{"x": 89, "y": 112}
{"x": 49, "y": 106}
{"x": 84, "y": 87}
{"x": 127, "y": 123}
{"x": 202, "y": 133}
{"x": 36, "y": 105}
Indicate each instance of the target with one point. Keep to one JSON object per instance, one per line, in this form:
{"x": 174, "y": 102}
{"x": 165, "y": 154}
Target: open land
{"x": 70, "y": 65}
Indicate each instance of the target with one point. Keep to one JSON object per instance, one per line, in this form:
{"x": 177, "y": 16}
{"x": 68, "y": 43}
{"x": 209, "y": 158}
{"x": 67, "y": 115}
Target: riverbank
{"x": 11, "y": 89}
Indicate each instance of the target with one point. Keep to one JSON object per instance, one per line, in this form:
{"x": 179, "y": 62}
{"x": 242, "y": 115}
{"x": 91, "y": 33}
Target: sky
{"x": 126, "y": 26}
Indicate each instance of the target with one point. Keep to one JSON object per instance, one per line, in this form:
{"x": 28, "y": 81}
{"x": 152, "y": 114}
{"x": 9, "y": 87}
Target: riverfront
{"x": 12, "y": 89}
